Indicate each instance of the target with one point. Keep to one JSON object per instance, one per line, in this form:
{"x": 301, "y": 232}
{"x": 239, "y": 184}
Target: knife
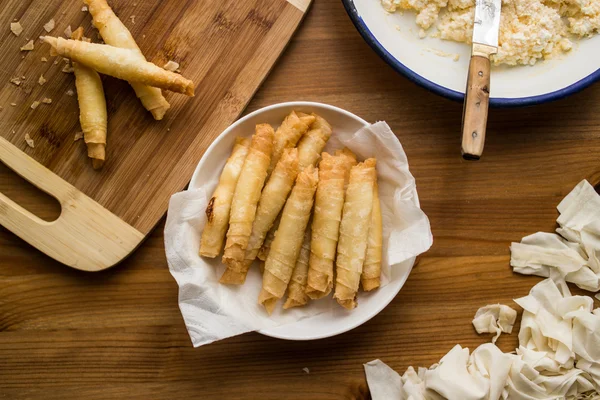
{"x": 477, "y": 97}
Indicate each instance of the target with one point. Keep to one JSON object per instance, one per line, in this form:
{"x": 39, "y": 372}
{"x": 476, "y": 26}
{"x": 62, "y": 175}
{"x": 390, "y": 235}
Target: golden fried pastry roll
{"x": 371, "y": 274}
{"x": 219, "y": 205}
{"x": 285, "y": 249}
{"x": 115, "y": 33}
{"x": 289, "y": 132}
{"x": 245, "y": 201}
{"x": 313, "y": 142}
{"x": 297, "y": 288}
{"x": 272, "y": 200}
{"x": 121, "y": 63}
{"x": 349, "y": 159}
{"x": 354, "y": 232}
{"x": 329, "y": 202}
{"x": 92, "y": 108}
{"x": 266, "y": 246}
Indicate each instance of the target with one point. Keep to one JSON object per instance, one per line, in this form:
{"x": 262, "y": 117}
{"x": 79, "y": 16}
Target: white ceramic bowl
{"x": 511, "y": 86}
{"x": 209, "y": 168}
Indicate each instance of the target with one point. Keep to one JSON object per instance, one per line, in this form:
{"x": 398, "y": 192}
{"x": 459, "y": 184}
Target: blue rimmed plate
{"x": 429, "y": 62}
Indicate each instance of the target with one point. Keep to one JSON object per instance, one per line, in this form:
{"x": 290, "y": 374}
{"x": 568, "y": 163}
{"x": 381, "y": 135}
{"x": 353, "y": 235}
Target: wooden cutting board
{"x": 226, "y": 47}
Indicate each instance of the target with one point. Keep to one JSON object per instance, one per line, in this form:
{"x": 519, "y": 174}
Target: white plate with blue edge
{"x": 516, "y": 86}
{"x": 370, "y": 304}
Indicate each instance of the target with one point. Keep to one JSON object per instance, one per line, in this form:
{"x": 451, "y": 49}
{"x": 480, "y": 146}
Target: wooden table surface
{"x": 119, "y": 334}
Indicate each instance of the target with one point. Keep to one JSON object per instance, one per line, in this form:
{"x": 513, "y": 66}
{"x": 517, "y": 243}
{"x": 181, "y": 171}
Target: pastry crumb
{"x": 13, "y": 104}
{"x": 67, "y": 69}
{"x": 16, "y": 28}
{"x": 55, "y": 62}
{"x": 84, "y": 8}
{"x": 70, "y": 92}
{"x": 28, "y": 46}
{"x": 29, "y": 141}
{"x": 78, "y": 136}
{"x": 305, "y": 369}
{"x": 48, "y": 26}
{"x": 42, "y": 80}
{"x": 171, "y": 66}
{"x": 43, "y": 59}
{"x": 132, "y": 18}
{"x": 68, "y": 32}
{"x": 35, "y": 105}
{"x": 46, "y": 100}
{"x": 15, "y": 81}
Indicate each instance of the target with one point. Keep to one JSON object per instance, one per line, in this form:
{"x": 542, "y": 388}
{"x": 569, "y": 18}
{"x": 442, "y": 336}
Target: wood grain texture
{"x": 475, "y": 113}
{"x": 106, "y": 239}
{"x": 119, "y": 333}
{"x": 226, "y": 47}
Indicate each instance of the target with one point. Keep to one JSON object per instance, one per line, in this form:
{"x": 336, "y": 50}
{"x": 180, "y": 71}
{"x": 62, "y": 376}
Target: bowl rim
{"x": 241, "y": 120}
{"x": 452, "y": 94}
{"x": 411, "y": 261}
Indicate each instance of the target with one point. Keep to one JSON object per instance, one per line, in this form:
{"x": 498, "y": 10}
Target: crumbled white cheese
{"x": 28, "y": 46}
{"x": 16, "y": 28}
{"x": 495, "y": 318}
{"x": 305, "y": 369}
{"x": 35, "y": 105}
{"x": 41, "y": 80}
{"x": 440, "y": 53}
{"x": 48, "y": 26}
{"x": 70, "y": 92}
{"x": 171, "y": 66}
{"x": 84, "y": 8}
{"x": 29, "y": 141}
{"x": 530, "y": 30}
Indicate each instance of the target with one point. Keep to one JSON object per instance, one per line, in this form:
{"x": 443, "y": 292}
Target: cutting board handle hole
{"x": 34, "y": 200}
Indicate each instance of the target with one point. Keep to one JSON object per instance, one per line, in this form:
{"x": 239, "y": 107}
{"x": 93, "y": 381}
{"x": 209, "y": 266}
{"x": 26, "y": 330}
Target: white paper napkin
{"x": 558, "y": 358}
{"x": 212, "y": 311}
{"x": 575, "y": 255}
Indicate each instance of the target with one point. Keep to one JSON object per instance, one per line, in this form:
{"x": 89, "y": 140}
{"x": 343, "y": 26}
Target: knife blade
{"x": 477, "y": 96}
{"x": 487, "y": 22}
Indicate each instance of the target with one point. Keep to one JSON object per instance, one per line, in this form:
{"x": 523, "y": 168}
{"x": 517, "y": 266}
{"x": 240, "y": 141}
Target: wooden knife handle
{"x": 475, "y": 112}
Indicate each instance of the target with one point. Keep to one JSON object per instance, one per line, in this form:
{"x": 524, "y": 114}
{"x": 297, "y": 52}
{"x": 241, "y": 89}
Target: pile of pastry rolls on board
{"x": 307, "y": 216}
{"x": 121, "y": 58}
